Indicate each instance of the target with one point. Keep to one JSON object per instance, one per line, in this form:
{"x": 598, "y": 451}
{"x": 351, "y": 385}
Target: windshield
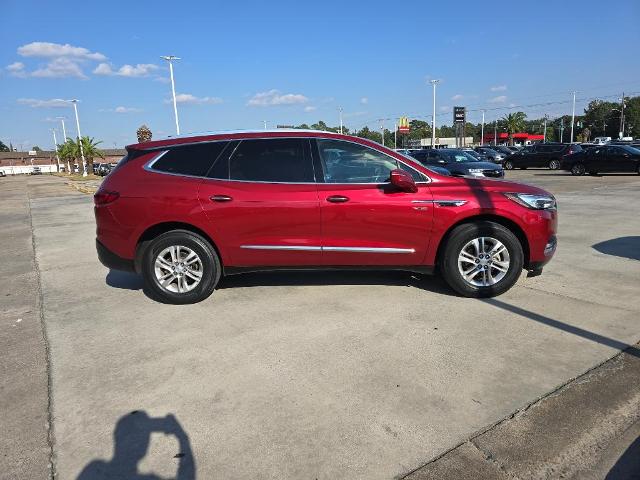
{"x": 451, "y": 155}
{"x": 631, "y": 150}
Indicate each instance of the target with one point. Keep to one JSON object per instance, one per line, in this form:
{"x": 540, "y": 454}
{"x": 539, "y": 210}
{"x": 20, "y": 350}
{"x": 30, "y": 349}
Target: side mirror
{"x": 403, "y": 181}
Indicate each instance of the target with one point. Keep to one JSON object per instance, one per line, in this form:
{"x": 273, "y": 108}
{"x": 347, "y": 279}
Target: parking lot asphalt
{"x": 316, "y": 375}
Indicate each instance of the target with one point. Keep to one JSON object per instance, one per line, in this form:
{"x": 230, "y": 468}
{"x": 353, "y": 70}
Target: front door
{"x": 365, "y": 220}
{"x": 262, "y": 204}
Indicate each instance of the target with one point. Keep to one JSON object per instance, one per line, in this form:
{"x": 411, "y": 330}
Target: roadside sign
{"x": 459, "y": 114}
{"x": 403, "y": 125}
{"x": 32, "y": 153}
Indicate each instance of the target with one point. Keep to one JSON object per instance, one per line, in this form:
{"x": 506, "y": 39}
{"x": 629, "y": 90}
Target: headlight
{"x": 476, "y": 172}
{"x": 533, "y": 201}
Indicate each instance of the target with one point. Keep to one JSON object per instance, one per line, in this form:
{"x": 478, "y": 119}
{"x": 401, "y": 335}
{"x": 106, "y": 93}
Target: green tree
{"x": 3, "y": 147}
{"x": 36, "y": 148}
{"x": 67, "y": 153}
{"x": 91, "y": 151}
{"x": 144, "y": 134}
{"x": 513, "y": 123}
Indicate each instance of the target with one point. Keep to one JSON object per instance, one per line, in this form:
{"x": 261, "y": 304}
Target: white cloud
{"x": 53, "y": 50}
{"x": 274, "y": 97}
{"x": 16, "y": 69}
{"x": 122, "y": 110}
{"x": 364, "y": 100}
{"x": 498, "y": 88}
{"x": 310, "y": 108}
{"x": 60, "y": 68}
{"x": 139, "y": 70}
{"x": 36, "y": 103}
{"x": 444, "y": 108}
{"x": 498, "y": 99}
{"x": 189, "y": 99}
{"x": 457, "y": 97}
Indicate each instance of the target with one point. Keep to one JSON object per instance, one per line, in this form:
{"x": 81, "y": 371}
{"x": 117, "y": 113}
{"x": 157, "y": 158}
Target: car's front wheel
{"x": 482, "y": 259}
{"x": 180, "y": 267}
{"x": 508, "y": 165}
{"x": 554, "y": 165}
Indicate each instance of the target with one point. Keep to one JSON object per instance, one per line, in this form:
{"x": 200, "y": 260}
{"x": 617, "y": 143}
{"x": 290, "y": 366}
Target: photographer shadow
{"x": 132, "y": 436}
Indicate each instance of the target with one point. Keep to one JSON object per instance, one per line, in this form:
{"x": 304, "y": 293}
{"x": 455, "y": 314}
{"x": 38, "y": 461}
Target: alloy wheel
{"x": 578, "y": 169}
{"x": 554, "y": 164}
{"x": 483, "y": 261}
{"x": 178, "y": 269}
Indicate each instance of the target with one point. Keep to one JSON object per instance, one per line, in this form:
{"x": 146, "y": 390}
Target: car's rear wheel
{"x": 482, "y": 259}
{"x": 554, "y": 165}
{"x": 508, "y": 165}
{"x": 577, "y": 169}
{"x": 180, "y": 267}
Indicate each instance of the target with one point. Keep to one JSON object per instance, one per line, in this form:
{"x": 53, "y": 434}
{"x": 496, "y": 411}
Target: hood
{"x": 468, "y": 165}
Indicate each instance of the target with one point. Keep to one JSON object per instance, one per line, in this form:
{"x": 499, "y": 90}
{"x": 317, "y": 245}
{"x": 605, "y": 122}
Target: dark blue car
{"x": 457, "y": 162}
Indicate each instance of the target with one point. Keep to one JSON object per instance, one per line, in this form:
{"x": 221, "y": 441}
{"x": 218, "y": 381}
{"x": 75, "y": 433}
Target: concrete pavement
{"x": 323, "y": 375}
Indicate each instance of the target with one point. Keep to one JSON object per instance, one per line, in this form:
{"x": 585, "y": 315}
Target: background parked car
{"x": 457, "y": 162}
{"x": 36, "y": 171}
{"x": 491, "y": 154}
{"x": 105, "y": 169}
{"x": 502, "y": 149}
{"x": 541, "y": 155}
{"x": 606, "y": 158}
{"x": 2, "y": 174}
{"x": 480, "y": 156}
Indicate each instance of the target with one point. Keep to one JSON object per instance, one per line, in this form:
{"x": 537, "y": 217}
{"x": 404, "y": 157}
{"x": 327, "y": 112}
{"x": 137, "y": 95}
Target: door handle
{"x": 337, "y": 199}
{"x": 221, "y": 198}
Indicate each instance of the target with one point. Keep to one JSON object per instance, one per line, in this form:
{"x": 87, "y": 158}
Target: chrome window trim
{"x": 313, "y": 248}
{"x": 164, "y": 149}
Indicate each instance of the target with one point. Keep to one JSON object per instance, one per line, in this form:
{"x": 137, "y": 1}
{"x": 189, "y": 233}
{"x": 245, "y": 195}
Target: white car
{"x": 601, "y": 140}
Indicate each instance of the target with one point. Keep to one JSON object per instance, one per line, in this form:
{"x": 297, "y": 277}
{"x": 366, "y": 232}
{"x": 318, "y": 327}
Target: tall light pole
{"x": 382, "y": 130}
{"x": 621, "y": 134}
{"x": 84, "y": 162}
{"x": 340, "y": 110}
{"x": 433, "y": 121}
{"x": 544, "y": 138}
{"x": 495, "y": 132}
{"x": 64, "y": 130}
{"x": 170, "y": 59}
{"x": 265, "y": 124}
{"x": 395, "y": 134}
{"x": 482, "y": 130}
{"x": 55, "y": 146}
{"x": 573, "y": 115}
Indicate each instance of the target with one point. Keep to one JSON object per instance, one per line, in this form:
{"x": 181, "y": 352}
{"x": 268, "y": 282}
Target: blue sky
{"x": 292, "y": 62}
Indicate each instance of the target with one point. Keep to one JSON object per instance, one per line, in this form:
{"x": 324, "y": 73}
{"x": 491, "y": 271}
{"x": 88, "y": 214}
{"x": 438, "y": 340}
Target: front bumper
{"x": 113, "y": 261}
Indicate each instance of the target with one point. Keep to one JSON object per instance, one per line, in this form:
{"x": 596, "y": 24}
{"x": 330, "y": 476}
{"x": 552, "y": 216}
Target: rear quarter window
{"x": 193, "y": 160}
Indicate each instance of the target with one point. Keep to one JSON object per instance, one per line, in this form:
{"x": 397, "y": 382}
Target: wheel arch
{"x": 505, "y": 222}
{"x": 159, "y": 228}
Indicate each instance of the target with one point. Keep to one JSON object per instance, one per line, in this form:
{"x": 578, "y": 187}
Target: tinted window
{"x": 271, "y": 160}
{"x": 456, "y": 156}
{"x": 345, "y": 162}
{"x": 416, "y": 175}
{"x": 190, "y": 159}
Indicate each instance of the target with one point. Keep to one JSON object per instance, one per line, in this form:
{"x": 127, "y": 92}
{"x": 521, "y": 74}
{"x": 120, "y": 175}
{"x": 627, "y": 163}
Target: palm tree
{"x": 514, "y": 122}
{"x": 90, "y": 150}
{"x": 67, "y": 152}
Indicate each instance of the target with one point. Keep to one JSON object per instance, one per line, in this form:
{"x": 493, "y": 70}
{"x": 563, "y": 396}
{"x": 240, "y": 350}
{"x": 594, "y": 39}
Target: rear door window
{"x": 278, "y": 160}
{"x": 192, "y": 160}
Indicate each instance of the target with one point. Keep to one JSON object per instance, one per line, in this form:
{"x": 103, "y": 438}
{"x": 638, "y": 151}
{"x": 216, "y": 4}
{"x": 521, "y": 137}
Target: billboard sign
{"x": 459, "y": 115}
{"x": 403, "y": 125}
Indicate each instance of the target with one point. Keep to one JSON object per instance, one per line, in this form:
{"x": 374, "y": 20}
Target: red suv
{"x": 185, "y": 211}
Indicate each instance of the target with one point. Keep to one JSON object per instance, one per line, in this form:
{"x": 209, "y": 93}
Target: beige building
{"x": 15, "y": 163}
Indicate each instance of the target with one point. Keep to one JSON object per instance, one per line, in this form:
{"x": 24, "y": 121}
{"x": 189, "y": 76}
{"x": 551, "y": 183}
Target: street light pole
{"x": 482, "y": 130}
{"x": 433, "y": 121}
{"x": 395, "y": 134}
{"x": 340, "y": 109}
{"x": 495, "y": 132}
{"x": 621, "y": 134}
{"x": 55, "y": 146}
{"x": 545, "y": 129}
{"x": 382, "y": 130}
{"x": 84, "y": 162}
{"x": 573, "y": 115}
{"x": 170, "y": 59}
{"x": 64, "y": 131}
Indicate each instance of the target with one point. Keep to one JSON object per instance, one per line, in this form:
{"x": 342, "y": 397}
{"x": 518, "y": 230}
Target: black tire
{"x": 577, "y": 169}
{"x": 593, "y": 172}
{"x": 523, "y": 168}
{"x": 211, "y": 268}
{"x": 508, "y": 165}
{"x": 465, "y": 233}
{"x": 554, "y": 165}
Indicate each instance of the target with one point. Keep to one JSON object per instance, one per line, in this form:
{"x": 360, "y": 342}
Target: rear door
{"x": 366, "y": 221}
{"x": 262, "y": 203}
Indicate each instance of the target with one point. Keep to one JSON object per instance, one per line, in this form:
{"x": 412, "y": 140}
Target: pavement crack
{"x": 45, "y": 338}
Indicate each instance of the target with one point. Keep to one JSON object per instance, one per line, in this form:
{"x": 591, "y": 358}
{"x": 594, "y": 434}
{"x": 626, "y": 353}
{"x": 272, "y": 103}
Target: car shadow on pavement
{"x": 124, "y": 280}
{"x": 132, "y": 436}
{"x": 628, "y": 465}
{"x": 626, "y": 247}
{"x": 580, "y": 332}
{"x": 431, "y": 283}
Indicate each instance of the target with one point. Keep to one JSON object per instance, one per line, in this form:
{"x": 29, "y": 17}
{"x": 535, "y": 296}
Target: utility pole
{"x": 55, "y": 146}
{"x": 340, "y": 109}
{"x": 545, "y": 129}
{"x": 265, "y": 124}
{"x": 64, "y": 130}
{"x": 561, "y": 129}
{"x": 573, "y": 115}
{"x": 382, "y": 130}
{"x": 495, "y": 132}
{"x": 621, "y": 134}
{"x": 433, "y": 122}
{"x": 482, "y": 130}
{"x": 84, "y": 162}
{"x": 170, "y": 59}
{"x": 395, "y": 134}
